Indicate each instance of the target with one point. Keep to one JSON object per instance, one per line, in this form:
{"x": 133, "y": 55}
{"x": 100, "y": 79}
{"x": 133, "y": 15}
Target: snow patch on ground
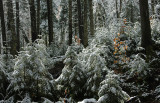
{"x": 92, "y": 100}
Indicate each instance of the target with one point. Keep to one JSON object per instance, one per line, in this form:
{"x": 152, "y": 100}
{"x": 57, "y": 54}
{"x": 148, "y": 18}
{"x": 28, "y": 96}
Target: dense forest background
{"x": 67, "y": 51}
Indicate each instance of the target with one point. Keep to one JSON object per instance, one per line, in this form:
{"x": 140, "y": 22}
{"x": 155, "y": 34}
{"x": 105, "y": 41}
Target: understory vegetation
{"x": 112, "y": 68}
{"x": 105, "y": 70}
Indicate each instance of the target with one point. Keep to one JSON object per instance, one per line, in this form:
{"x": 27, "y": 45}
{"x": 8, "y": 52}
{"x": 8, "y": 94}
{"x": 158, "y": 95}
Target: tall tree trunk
{"x": 33, "y": 20}
{"x": 85, "y": 37}
{"x": 80, "y": 20}
{"x": 11, "y": 28}
{"x": 132, "y": 16}
{"x": 152, "y": 5}
{"x": 145, "y": 24}
{"x": 38, "y": 17}
{"x": 17, "y": 25}
{"x": 91, "y": 17}
{"x": 70, "y": 22}
{"x": 75, "y": 16}
{"x": 117, "y": 14}
{"x": 120, "y": 7}
{"x": 50, "y": 20}
{"x": 2, "y": 23}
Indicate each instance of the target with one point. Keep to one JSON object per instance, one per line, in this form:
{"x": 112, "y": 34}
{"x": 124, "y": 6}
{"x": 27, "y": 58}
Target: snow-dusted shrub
{"x": 72, "y": 76}
{"x": 95, "y": 66}
{"x": 138, "y": 66}
{"x": 2, "y": 75}
{"x": 6, "y": 68}
{"x": 155, "y": 21}
{"x": 47, "y": 100}
{"x": 56, "y": 49}
{"x": 155, "y": 26}
{"x": 10, "y": 100}
{"x": 91, "y": 100}
{"x": 27, "y": 99}
{"x": 102, "y": 45}
{"x": 110, "y": 91}
{"x": 30, "y": 70}
{"x": 157, "y": 92}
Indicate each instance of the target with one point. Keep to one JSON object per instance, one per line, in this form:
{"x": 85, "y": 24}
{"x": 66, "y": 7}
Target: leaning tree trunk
{"x": 145, "y": 24}
{"x": 33, "y": 20}
{"x": 2, "y": 23}
{"x": 85, "y": 37}
{"x": 91, "y": 17}
{"x": 11, "y": 28}
{"x": 50, "y": 20}
{"x": 17, "y": 25}
{"x": 70, "y": 22}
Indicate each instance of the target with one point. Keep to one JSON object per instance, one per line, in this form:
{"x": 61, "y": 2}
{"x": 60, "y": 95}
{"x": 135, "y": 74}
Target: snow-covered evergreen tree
{"x": 30, "y": 70}
{"x": 72, "y": 76}
{"x": 138, "y": 66}
{"x": 6, "y": 68}
{"x": 94, "y": 68}
{"x": 110, "y": 91}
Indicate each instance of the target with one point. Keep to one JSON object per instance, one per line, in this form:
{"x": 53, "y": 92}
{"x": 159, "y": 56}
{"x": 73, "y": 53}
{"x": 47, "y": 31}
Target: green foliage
{"x": 138, "y": 66}
{"x": 72, "y": 76}
{"x": 30, "y": 70}
{"x": 110, "y": 91}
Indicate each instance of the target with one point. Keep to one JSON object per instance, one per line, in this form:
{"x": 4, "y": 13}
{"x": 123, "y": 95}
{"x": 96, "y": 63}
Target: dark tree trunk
{"x": 132, "y": 16}
{"x": 80, "y": 20}
{"x": 33, "y": 20}
{"x": 85, "y": 37}
{"x": 117, "y": 14}
{"x": 50, "y": 20}
{"x": 75, "y": 17}
{"x": 91, "y": 17}
{"x": 70, "y": 22}
{"x": 152, "y": 5}
{"x": 145, "y": 24}
{"x": 11, "y": 28}
{"x": 17, "y": 25}
{"x": 120, "y": 7}
{"x": 38, "y": 17}
{"x": 2, "y": 23}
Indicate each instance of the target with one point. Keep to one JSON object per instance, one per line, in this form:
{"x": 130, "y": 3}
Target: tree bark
{"x": 11, "y": 28}
{"x": 152, "y": 5}
{"x": 2, "y": 23}
{"x": 70, "y": 22}
{"x": 17, "y": 25}
{"x": 85, "y": 37}
{"x": 145, "y": 24}
{"x": 91, "y": 17}
{"x": 132, "y": 16}
{"x": 50, "y": 20}
{"x": 33, "y": 20}
{"x": 80, "y": 20}
{"x": 117, "y": 14}
{"x": 38, "y": 17}
{"x": 120, "y": 7}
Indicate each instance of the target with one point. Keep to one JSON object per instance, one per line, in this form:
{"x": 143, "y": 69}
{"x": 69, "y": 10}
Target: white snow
{"x": 91, "y": 100}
